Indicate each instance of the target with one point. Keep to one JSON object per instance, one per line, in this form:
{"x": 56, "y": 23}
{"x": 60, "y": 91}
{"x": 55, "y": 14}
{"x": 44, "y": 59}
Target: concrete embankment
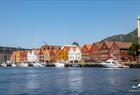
{"x": 134, "y": 65}
{"x": 131, "y": 64}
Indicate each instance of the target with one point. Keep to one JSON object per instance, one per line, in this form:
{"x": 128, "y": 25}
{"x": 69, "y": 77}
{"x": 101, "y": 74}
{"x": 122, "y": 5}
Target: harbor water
{"x": 68, "y": 81}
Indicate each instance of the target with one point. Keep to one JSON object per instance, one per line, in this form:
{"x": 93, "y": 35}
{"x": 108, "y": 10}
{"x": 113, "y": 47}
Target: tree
{"x": 75, "y": 43}
{"x": 133, "y": 50}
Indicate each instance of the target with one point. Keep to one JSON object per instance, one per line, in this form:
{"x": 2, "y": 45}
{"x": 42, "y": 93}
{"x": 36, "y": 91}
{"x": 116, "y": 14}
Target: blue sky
{"x": 32, "y": 23}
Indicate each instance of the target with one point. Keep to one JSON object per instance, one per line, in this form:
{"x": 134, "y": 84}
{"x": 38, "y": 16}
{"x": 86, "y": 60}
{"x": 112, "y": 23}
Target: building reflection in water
{"x": 75, "y": 80}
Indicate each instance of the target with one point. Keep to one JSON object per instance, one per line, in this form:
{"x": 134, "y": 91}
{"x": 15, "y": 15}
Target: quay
{"x": 83, "y": 65}
{"x": 94, "y": 65}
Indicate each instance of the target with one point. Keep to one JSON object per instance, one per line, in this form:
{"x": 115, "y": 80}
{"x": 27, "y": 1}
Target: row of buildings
{"x": 67, "y": 53}
{"x": 72, "y": 53}
{"x": 6, "y": 52}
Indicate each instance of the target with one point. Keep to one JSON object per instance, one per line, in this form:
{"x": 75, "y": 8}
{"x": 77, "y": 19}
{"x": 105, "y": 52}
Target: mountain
{"x": 130, "y": 37}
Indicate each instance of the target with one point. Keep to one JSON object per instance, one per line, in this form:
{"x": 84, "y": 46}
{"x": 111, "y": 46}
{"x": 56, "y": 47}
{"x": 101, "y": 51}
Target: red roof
{"x": 88, "y": 46}
{"x": 109, "y": 43}
{"x": 123, "y": 45}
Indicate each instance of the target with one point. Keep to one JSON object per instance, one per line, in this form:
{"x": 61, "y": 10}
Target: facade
{"x": 95, "y": 51}
{"x": 13, "y": 57}
{"x": 104, "y": 51}
{"x": 6, "y": 53}
{"x": 85, "y": 52}
{"x": 64, "y": 54}
{"x": 78, "y": 54}
{"x": 46, "y": 56}
{"x": 124, "y": 46}
{"x": 59, "y": 56}
{"x": 52, "y": 56}
{"x": 100, "y": 51}
{"x": 74, "y": 54}
{"x": 17, "y": 56}
{"x": 32, "y": 56}
{"x": 110, "y": 50}
{"x": 23, "y": 56}
{"x": 70, "y": 53}
{"x": 115, "y": 52}
{"x": 41, "y": 55}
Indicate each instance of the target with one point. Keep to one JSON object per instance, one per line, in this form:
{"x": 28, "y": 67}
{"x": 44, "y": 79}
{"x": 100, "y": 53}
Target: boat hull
{"x": 59, "y": 65}
{"x": 23, "y": 65}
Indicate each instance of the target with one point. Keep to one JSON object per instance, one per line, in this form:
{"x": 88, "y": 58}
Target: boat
{"x": 10, "y": 64}
{"x": 13, "y": 65}
{"x": 23, "y": 64}
{"x": 37, "y": 64}
{"x": 3, "y": 65}
{"x": 134, "y": 87}
{"x": 110, "y": 63}
{"x": 59, "y": 64}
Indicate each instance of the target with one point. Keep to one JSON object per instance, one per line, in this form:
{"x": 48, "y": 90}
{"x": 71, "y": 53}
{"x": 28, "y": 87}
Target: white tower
{"x": 138, "y": 23}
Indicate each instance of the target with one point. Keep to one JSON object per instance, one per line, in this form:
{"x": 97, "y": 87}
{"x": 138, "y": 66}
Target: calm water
{"x": 67, "y": 81}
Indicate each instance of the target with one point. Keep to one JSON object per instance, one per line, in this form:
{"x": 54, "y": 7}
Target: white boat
{"x": 3, "y": 65}
{"x": 22, "y": 64}
{"x": 110, "y": 63}
{"x": 13, "y": 65}
{"x": 134, "y": 87}
{"x": 59, "y": 64}
{"x": 10, "y": 64}
{"x": 37, "y": 64}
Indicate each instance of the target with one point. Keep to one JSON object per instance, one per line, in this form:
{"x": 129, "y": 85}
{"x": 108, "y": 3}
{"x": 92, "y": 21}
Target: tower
{"x": 138, "y": 26}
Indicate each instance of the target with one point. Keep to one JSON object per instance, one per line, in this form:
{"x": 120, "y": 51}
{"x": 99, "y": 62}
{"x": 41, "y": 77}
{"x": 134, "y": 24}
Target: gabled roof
{"x": 123, "y": 45}
{"x": 68, "y": 47}
{"x": 88, "y": 46}
{"x": 98, "y": 45}
{"x": 109, "y": 43}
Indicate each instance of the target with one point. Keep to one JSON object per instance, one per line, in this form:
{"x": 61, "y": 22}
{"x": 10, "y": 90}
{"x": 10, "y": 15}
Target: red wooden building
{"x": 86, "y": 54}
{"x": 95, "y": 51}
{"x": 124, "y": 46}
{"x": 52, "y": 55}
{"x": 41, "y": 55}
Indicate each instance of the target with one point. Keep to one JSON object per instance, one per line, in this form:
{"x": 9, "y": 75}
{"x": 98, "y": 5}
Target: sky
{"x": 33, "y": 23}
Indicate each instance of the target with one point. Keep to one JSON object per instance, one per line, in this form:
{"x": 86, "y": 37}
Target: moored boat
{"x": 10, "y": 64}
{"x": 37, "y": 64}
{"x": 59, "y": 64}
{"x": 110, "y": 63}
{"x": 3, "y": 65}
{"x": 23, "y": 64}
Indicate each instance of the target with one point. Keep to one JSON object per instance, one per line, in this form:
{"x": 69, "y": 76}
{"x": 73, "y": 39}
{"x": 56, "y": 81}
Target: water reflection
{"x": 32, "y": 80}
{"x": 75, "y": 79}
{"x": 65, "y": 81}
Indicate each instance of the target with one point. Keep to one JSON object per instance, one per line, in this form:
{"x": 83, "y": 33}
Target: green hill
{"x": 130, "y": 37}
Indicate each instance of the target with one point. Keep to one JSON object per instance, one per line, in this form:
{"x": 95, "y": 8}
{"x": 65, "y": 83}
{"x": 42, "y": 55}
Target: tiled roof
{"x": 88, "y": 46}
{"x": 67, "y": 48}
{"x": 109, "y": 43}
{"x": 123, "y": 45}
{"x": 98, "y": 44}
